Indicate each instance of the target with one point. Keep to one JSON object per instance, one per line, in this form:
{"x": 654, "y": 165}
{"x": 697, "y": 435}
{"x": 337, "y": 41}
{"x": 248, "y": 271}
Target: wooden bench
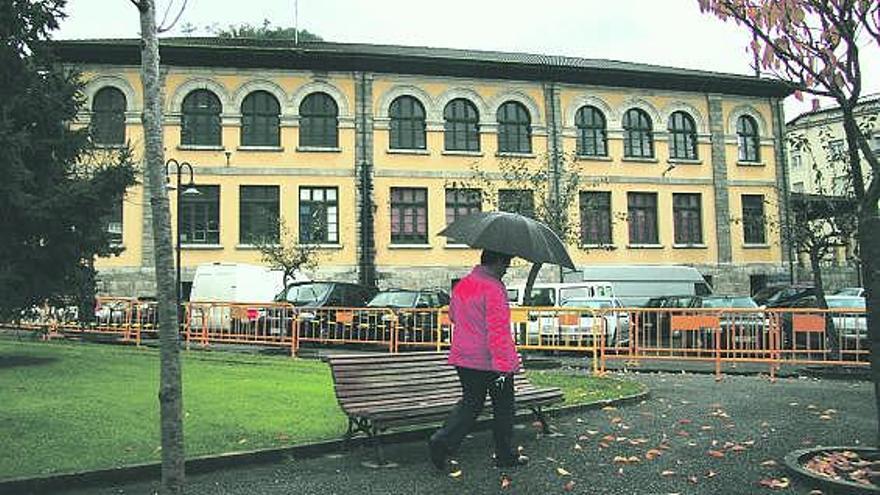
{"x": 384, "y": 391}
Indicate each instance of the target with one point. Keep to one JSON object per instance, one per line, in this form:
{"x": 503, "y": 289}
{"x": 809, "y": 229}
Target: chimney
{"x": 816, "y": 104}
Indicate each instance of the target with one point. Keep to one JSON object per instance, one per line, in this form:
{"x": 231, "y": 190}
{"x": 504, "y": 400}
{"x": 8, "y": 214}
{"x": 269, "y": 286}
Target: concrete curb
{"x": 147, "y": 471}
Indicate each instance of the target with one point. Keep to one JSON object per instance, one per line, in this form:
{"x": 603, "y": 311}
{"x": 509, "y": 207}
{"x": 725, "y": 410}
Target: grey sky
{"x": 663, "y": 32}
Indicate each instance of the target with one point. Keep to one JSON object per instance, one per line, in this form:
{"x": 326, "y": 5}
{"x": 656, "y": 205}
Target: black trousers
{"x": 475, "y": 384}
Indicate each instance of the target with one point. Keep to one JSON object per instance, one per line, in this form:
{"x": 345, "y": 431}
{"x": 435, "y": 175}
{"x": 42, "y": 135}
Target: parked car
{"x": 746, "y": 327}
{"x": 783, "y": 296}
{"x": 850, "y": 291}
{"x": 851, "y": 326}
{"x": 414, "y": 310}
{"x": 615, "y": 324}
{"x": 316, "y": 302}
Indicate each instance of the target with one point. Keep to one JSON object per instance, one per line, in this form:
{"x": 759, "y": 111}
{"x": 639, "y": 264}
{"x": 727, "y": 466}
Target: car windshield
{"x": 846, "y": 302}
{"x": 394, "y": 299}
{"x": 849, "y": 291}
{"x": 588, "y": 303}
{"x": 308, "y": 294}
{"x": 729, "y": 302}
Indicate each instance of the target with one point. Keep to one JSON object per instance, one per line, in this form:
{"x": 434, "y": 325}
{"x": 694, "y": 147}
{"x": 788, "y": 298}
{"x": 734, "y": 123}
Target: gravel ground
{"x": 704, "y": 438}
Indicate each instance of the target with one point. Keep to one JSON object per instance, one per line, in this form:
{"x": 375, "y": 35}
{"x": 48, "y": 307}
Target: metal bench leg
{"x": 372, "y": 431}
{"x": 539, "y": 415}
{"x": 346, "y": 441}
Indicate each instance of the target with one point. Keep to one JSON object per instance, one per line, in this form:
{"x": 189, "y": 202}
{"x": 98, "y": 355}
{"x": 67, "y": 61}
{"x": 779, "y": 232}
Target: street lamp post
{"x": 173, "y": 166}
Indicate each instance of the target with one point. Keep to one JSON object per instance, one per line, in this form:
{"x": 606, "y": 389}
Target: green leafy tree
{"x": 55, "y": 191}
{"x": 818, "y": 46}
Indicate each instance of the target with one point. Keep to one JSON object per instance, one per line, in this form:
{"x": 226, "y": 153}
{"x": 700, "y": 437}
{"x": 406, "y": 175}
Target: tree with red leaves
{"x": 818, "y": 46}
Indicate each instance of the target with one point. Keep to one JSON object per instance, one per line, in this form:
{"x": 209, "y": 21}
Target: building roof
{"x": 327, "y": 56}
{"x": 866, "y": 103}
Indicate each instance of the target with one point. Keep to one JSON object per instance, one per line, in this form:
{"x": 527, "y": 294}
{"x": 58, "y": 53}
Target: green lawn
{"x": 74, "y": 406}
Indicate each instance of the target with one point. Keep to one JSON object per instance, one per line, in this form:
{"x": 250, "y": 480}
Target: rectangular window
{"x": 840, "y": 185}
{"x": 836, "y": 150}
{"x": 753, "y": 219}
{"x": 462, "y": 202}
{"x": 318, "y": 215}
{"x": 795, "y": 162}
{"x": 200, "y": 216}
{"x": 409, "y": 215}
{"x": 520, "y": 201}
{"x": 258, "y": 214}
{"x": 113, "y": 224}
{"x": 642, "y": 216}
{"x": 595, "y": 212}
{"x": 687, "y": 218}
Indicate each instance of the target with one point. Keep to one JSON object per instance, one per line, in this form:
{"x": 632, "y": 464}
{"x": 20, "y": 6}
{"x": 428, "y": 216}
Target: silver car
{"x": 614, "y": 323}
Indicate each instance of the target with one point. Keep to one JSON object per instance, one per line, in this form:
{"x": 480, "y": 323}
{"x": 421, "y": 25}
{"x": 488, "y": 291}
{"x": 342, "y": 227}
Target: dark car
{"x": 317, "y": 303}
{"x": 739, "y": 327}
{"x": 413, "y": 310}
{"x": 783, "y": 296}
{"x": 844, "y": 324}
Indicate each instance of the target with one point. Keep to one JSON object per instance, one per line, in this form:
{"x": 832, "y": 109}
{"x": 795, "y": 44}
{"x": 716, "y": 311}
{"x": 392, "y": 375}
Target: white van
{"x": 555, "y": 294}
{"x": 635, "y": 284}
{"x": 233, "y": 283}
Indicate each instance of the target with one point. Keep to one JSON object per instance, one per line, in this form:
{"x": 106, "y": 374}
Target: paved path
{"x": 690, "y": 415}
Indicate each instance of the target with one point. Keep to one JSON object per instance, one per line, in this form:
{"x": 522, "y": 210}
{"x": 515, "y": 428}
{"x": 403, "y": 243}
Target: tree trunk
{"x": 170, "y": 390}
{"x": 831, "y": 331}
{"x": 869, "y": 232}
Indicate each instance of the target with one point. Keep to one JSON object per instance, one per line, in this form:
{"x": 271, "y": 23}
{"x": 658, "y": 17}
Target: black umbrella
{"x": 511, "y": 234}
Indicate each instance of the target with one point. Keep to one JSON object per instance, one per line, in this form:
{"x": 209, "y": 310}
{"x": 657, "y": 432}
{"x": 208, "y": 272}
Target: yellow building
{"x": 354, "y": 147}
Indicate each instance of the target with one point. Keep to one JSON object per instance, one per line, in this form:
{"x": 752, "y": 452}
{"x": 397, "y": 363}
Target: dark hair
{"x": 492, "y": 257}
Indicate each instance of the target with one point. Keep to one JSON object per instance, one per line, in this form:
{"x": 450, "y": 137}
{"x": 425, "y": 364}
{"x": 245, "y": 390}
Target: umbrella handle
{"x": 530, "y": 282}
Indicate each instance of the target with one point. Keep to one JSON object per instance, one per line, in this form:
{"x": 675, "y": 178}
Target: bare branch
{"x": 165, "y": 28}
{"x": 139, "y": 4}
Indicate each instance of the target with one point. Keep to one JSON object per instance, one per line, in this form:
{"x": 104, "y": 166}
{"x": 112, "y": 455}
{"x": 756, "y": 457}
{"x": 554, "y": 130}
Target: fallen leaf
{"x": 706, "y": 427}
{"x": 616, "y": 419}
{"x": 824, "y": 417}
{"x": 769, "y": 463}
{"x": 455, "y": 474}
{"x": 775, "y": 483}
{"x": 684, "y": 421}
{"x": 568, "y": 486}
{"x": 815, "y": 492}
{"x": 737, "y": 448}
{"x": 562, "y": 472}
{"x": 592, "y": 432}
{"x": 505, "y": 482}
{"x": 711, "y": 474}
{"x": 609, "y": 408}
{"x": 812, "y": 407}
{"x": 693, "y": 479}
{"x": 243, "y": 440}
{"x": 667, "y": 472}
{"x": 793, "y": 404}
{"x": 577, "y": 446}
{"x": 652, "y": 454}
{"x": 716, "y": 453}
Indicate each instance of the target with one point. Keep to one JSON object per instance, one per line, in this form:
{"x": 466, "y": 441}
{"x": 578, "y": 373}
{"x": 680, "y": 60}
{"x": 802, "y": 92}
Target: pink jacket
{"x": 482, "y": 338}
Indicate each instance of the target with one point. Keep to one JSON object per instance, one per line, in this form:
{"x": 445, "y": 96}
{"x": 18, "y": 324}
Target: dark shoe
{"x": 514, "y": 461}
{"x": 438, "y": 453}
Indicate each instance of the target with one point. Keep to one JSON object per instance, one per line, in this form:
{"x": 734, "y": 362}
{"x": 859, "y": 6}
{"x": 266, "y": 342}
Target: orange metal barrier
{"x": 772, "y": 337}
{"x": 239, "y": 323}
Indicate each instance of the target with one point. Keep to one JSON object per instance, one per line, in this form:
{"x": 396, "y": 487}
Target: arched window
{"x": 638, "y": 134}
{"x": 260, "y": 120}
{"x": 514, "y": 128}
{"x": 592, "y": 139}
{"x": 108, "y": 117}
{"x": 200, "y": 123}
{"x": 747, "y": 139}
{"x": 682, "y": 136}
{"x": 461, "y": 126}
{"x": 407, "y": 124}
{"x": 318, "y": 121}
